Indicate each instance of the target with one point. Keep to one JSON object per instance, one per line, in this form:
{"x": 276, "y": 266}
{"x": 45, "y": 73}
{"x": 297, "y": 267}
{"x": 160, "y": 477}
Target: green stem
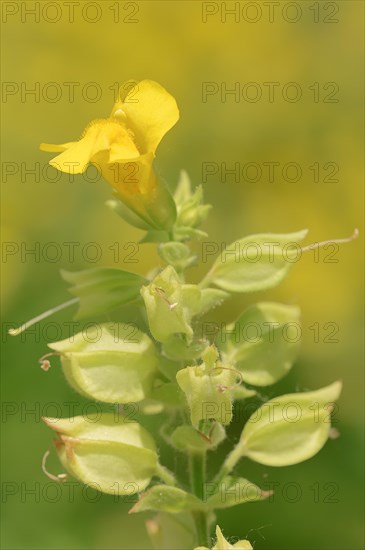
{"x": 165, "y": 474}
{"x": 229, "y": 463}
{"x": 197, "y": 480}
{"x": 201, "y": 526}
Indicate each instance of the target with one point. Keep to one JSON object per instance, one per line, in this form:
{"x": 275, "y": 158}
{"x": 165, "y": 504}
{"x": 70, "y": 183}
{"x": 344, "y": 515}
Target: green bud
{"x": 208, "y": 389}
{"x": 191, "y": 212}
{"x": 170, "y": 305}
{"x": 114, "y": 363}
{"x": 188, "y": 233}
{"x": 176, "y": 254}
{"x": 256, "y": 262}
{"x": 289, "y": 429}
{"x": 111, "y": 454}
{"x": 183, "y": 189}
{"x": 263, "y": 343}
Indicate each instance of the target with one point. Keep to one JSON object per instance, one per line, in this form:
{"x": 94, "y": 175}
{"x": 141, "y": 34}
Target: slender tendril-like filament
{"x": 41, "y": 316}
{"x": 59, "y": 478}
{"x": 330, "y": 241}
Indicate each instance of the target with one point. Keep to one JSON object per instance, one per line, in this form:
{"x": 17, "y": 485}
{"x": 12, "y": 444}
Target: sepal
{"x": 109, "y": 363}
{"x": 257, "y": 262}
{"x": 111, "y": 454}
{"x": 264, "y": 342}
{"x": 102, "y": 289}
{"x": 289, "y": 429}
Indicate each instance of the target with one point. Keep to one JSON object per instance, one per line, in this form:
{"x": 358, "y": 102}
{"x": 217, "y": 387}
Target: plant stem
{"x": 229, "y": 463}
{"x": 201, "y": 526}
{"x": 197, "y": 480}
{"x": 165, "y": 474}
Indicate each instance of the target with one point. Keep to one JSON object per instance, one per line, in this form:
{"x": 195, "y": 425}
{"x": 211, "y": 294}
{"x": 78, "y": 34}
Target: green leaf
{"x": 102, "y": 289}
{"x": 110, "y": 363}
{"x": 241, "y": 392}
{"x": 163, "y": 498}
{"x": 211, "y": 298}
{"x": 263, "y": 343}
{"x": 232, "y": 491}
{"x": 256, "y": 262}
{"x": 169, "y": 395}
{"x": 111, "y": 454}
{"x": 289, "y": 429}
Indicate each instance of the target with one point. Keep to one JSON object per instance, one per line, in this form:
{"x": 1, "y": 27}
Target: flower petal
{"x": 53, "y": 148}
{"x": 100, "y": 136}
{"x": 150, "y": 111}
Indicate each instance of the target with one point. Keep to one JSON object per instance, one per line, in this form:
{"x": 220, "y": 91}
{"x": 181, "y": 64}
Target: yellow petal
{"x": 52, "y": 148}
{"x": 130, "y": 178}
{"x": 75, "y": 159}
{"x": 102, "y": 136}
{"x": 150, "y": 111}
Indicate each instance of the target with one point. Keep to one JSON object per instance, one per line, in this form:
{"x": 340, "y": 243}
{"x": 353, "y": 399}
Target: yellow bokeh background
{"x": 169, "y": 42}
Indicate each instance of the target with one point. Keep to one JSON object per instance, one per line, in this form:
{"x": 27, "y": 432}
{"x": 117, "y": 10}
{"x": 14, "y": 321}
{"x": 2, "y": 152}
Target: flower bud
{"x": 208, "y": 389}
{"x": 170, "y": 305}
{"x": 114, "y": 363}
{"x": 112, "y": 454}
{"x": 176, "y": 254}
{"x": 191, "y": 212}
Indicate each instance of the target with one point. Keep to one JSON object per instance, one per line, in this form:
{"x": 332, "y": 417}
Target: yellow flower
{"x": 123, "y": 148}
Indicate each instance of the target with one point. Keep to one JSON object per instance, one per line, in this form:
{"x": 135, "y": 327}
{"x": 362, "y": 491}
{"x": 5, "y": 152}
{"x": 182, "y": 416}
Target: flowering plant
{"x": 166, "y": 365}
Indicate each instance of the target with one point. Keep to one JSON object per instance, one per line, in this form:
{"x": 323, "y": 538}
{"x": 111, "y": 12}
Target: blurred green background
{"x": 169, "y": 42}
